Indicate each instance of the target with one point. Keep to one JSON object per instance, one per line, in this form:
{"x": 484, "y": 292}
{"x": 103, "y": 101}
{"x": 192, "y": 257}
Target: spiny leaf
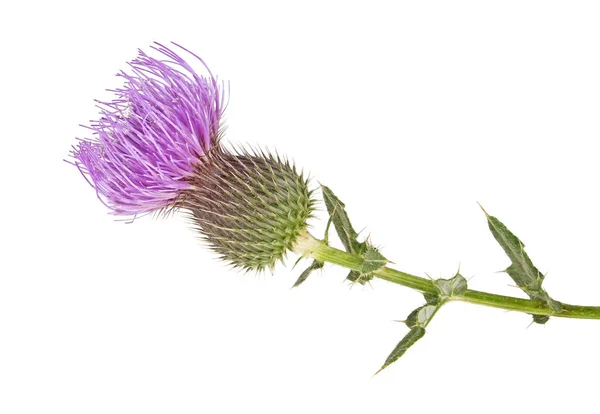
{"x": 521, "y": 270}
{"x": 431, "y": 298}
{"x": 341, "y": 222}
{"x": 541, "y": 319}
{"x": 374, "y": 260}
{"x": 313, "y": 266}
{"x": 420, "y": 317}
{"x": 358, "y": 277}
{"x": 417, "y": 321}
{"x": 409, "y": 340}
{"x": 450, "y": 287}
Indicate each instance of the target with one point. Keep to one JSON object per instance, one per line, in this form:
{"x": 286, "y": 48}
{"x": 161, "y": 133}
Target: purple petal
{"x": 147, "y": 141}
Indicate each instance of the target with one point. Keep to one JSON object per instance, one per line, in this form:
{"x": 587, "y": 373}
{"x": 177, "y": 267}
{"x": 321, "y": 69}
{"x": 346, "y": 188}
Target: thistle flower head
{"x": 156, "y": 146}
{"x": 149, "y": 139}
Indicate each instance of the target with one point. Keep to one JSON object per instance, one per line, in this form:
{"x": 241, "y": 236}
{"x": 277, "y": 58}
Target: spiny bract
{"x": 250, "y": 207}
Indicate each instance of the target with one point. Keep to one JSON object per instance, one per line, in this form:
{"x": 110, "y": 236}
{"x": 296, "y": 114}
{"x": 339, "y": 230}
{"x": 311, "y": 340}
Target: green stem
{"x": 308, "y": 246}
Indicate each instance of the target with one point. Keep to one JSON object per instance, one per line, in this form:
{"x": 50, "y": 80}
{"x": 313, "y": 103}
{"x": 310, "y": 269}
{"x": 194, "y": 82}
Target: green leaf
{"x": 521, "y": 270}
{"x": 374, "y": 260}
{"x": 431, "y": 298}
{"x": 541, "y": 319}
{"x": 417, "y": 321}
{"x": 357, "y": 277}
{"x": 314, "y": 265}
{"x": 450, "y": 287}
{"x": 341, "y": 222}
{"x": 420, "y": 317}
{"x": 409, "y": 340}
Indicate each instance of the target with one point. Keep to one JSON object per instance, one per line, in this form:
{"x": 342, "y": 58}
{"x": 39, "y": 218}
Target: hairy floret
{"x": 150, "y": 138}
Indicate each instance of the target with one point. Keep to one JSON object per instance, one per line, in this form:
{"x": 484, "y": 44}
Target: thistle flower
{"x": 163, "y": 121}
{"x": 157, "y": 146}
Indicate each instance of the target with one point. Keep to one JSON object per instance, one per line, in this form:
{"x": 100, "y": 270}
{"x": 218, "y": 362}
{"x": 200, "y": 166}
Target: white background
{"x": 411, "y": 111}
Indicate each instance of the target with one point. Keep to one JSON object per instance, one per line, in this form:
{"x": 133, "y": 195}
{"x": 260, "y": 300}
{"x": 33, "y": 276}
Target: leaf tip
{"x": 380, "y": 369}
{"x": 482, "y": 209}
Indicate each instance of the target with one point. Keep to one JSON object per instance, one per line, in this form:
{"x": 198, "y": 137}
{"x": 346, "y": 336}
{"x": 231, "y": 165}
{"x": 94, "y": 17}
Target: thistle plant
{"x": 158, "y": 147}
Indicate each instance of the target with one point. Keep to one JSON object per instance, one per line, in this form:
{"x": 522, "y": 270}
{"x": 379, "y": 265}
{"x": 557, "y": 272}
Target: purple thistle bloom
{"x": 151, "y": 137}
{"x": 157, "y": 146}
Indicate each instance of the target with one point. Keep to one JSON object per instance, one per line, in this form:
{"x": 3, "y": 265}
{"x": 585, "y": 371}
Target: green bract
{"x": 249, "y": 207}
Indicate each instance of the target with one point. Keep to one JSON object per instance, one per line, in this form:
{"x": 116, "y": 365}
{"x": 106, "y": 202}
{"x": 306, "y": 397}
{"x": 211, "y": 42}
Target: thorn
{"x": 380, "y": 369}
{"x": 482, "y": 209}
{"x": 297, "y": 261}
